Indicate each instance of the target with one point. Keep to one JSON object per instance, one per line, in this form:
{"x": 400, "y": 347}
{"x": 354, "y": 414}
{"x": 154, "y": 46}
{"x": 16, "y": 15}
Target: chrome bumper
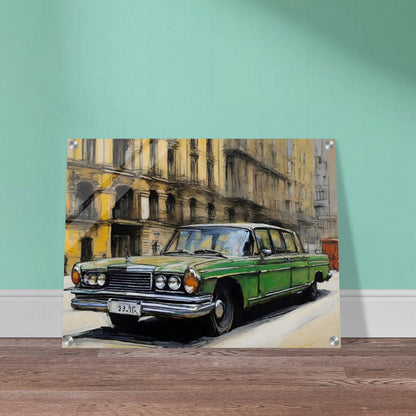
{"x": 151, "y": 303}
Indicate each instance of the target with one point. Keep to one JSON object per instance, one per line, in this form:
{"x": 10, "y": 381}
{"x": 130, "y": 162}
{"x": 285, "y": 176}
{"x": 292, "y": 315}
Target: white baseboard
{"x": 378, "y": 313}
{"x": 31, "y": 313}
{"x": 364, "y": 313}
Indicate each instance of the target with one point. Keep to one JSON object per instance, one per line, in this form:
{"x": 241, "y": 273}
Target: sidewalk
{"x": 68, "y": 282}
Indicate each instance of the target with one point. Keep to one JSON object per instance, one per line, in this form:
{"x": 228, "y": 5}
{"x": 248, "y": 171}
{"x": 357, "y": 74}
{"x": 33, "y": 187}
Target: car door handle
{"x": 287, "y": 260}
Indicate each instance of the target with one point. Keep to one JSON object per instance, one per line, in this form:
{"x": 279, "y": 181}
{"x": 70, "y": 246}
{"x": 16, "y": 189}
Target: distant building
{"x": 133, "y": 193}
{"x": 325, "y": 192}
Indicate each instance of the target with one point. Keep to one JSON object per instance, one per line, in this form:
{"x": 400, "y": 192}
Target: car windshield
{"x": 215, "y": 241}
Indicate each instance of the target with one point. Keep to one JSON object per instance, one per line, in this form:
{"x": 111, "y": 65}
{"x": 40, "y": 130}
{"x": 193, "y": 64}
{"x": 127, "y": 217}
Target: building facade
{"x": 325, "y": 192}
{"x": 129, "y": 195}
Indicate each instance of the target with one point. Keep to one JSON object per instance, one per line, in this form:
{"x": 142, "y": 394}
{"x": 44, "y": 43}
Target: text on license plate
{"x": 124, "y": 308}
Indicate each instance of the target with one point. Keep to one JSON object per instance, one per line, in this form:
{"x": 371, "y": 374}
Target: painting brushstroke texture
{"x": 201, "y": 243}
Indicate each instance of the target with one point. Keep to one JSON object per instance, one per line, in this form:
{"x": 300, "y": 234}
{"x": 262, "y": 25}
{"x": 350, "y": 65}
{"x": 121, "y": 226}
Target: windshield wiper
{"x": 178, "y": 252}
{"x": 208, "y": 251}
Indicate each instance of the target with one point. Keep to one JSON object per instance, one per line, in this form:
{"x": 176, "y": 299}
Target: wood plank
{"x": 364, "y": 377}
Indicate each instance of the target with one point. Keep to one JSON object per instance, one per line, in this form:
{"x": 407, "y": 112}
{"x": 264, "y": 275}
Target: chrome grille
{"x": 129, "y": 280}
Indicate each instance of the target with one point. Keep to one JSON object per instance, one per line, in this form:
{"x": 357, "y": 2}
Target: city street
{"x": 284, "y": 323}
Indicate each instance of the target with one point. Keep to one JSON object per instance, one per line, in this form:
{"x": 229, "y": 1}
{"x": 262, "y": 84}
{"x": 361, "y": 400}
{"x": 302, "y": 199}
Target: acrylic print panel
{"x": 201, "y": 243}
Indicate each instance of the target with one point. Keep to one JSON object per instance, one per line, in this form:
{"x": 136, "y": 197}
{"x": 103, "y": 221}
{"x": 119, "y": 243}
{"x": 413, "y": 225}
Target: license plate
{"x": 125, "y": 308}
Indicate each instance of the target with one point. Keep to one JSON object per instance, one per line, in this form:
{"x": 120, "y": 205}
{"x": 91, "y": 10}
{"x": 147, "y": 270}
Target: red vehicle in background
{"x": 330, "y": 247}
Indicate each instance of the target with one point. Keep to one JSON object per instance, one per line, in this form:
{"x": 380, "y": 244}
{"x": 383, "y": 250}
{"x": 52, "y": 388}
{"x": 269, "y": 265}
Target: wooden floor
{"x": 364, "y": 377}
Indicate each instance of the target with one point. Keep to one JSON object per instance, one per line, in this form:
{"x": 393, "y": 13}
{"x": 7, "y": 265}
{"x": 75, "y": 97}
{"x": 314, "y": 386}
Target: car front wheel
{"x": 221, "y": 319}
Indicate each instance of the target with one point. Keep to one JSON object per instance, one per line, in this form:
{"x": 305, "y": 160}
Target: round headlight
{"x": 191, "y": 281}
{"x": 160, "y": 282}
{"x": 174, "y": 282}
{"x": 75, "y": 274}
{"x": 101, "y": 279}
{"x": 92, "y": 279}
{"x": 85, "y": 278}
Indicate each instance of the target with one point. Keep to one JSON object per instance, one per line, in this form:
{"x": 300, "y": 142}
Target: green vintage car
{"x": 205, "y": 270}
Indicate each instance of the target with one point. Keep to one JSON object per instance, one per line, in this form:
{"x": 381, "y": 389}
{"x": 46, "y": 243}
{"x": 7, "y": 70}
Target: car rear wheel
{"x": 124, "y": 322}
{"x": 221, "y": 319}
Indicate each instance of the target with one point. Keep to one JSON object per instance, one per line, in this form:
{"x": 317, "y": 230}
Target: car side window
{"x": 263, "y": 240}
{"x": 248, "y": 246}
{"x": 290, "y": 242}
{"x": 298, "y": 244}
{"x": 277, "y": 241}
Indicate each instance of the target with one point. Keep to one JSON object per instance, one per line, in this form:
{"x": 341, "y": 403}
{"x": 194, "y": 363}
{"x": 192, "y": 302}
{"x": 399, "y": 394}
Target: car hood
{"x": 174, "y": 264}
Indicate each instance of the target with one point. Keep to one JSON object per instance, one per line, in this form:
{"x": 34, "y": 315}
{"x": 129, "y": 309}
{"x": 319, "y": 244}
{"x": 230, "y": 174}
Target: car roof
{"x": 249, "y": 225}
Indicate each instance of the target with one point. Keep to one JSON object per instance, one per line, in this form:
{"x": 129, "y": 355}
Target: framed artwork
{"x": 215, "y": 243}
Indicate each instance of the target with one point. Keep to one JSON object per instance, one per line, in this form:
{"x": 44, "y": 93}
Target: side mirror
{"x": 265, "y": 252}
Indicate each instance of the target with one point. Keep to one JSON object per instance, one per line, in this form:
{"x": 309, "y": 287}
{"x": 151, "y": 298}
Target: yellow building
{"x": 133, "y": 193}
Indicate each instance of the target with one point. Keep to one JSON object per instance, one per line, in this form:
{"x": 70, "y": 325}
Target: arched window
{"x": 211, "y": 212}
{"x": 170, "y": 207}
{"x": 153, "y": 205}
{"x": 85, "y": 207}
{"x": 192, "y": 209}
{"x": 123, "y": 208}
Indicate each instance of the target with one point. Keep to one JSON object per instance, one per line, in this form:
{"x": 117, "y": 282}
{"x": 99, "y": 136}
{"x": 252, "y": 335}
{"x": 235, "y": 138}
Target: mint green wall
{"x": 200, "y": 68}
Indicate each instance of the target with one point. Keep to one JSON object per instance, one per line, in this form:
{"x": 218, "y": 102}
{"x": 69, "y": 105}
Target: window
{"x": 120, "y": 147}
{"x": 209, "y": 147}
{"x": 320, "y": 194}
{"x": 231, "y": 214}
{"x": 194, "y": 168}
{"x": 86, "y": 249}
{"x": 211, "y": 212}
{"x": 88, "y": 151}
{"x": 289, "y": 143}
{"x": 277, "y": 241}
{"x": 289, "y": 189}
{"x": 194, "y": 144}
{"x": 230, "y": 180}
{"x": 85, "y": 206}
{"x": 125, "y": 236}
{"x": 170, "y": 207}
{"x": 172, "y": 163}
{"x": 210, "y": 174}
{"x": 288, "y": 206}
{"x": 228, "y": 241}
{"x": 290, "y": 242}
{"x": 299, "y": 245}
{"x": 246, "y": 215}
{"x": 123, "y": 208}
{"x": 192, "y": 209}
{"x": 153, "y": 205}
{"x": 263, "y": 240}
{"x": 153, "y": 155}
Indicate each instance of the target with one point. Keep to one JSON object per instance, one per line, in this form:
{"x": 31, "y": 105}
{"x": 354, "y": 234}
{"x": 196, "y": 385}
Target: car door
{"x": 297, "y": 259}
{"x": 273, "y": 267}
